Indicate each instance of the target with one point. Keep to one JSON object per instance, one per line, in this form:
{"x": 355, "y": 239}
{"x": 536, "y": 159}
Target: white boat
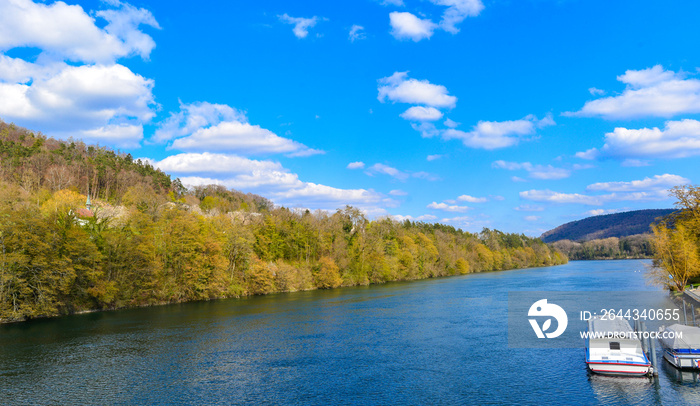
{"x": 681, "y": 345}
{"x": 612, "y": 348}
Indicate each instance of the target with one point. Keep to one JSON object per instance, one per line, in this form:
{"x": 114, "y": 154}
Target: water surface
{"x": 440, "y": 341}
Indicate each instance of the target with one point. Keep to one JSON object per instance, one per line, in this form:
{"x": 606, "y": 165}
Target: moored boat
{"x": 681, "y": 345}
{"x": 612, "y": 348}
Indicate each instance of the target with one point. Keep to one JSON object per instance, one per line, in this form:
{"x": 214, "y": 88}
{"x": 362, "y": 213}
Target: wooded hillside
{"x": 606, "y": 226}
{"x": 149, "y": 240}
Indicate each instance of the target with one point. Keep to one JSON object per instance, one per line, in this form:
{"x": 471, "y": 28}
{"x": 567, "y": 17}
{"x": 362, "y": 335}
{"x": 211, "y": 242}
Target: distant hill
{"x": 605, "y": 226}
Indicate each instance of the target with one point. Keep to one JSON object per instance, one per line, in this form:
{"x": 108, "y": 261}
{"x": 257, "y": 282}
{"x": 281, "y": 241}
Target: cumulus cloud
{"x": 264, "y": 177}
{"x": 398, "y": 192}
{"x": 301, "y": 25}
{"x": 535, "y": 171}
{"x": 531, "y": 218}
{"x": 652, "y": 92}
{"x": 678, "y": 139}
{"x": 204, "y": 126}
{"x": 491, "y": 135}
{"x": 398, "y": 88}
{"x": 356, "y": 33}
{"x": 92, "y": 97}
{"x": 64, "y": 31}
{"x": 356, "y": 165}
{"x": 420, "y": 113}
{"x": 654, "y": 188}
{"x": 446, "y": 207}
{"x": 431, "y": 158}
{"x": 405, "y": 25}
{"x": 94, "y": 102}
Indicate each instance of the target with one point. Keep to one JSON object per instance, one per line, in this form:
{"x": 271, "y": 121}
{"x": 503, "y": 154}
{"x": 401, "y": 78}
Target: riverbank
{"x": 156, "y": 304}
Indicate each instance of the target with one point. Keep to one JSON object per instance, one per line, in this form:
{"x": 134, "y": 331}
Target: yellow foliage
{"x": 62, "y": 201}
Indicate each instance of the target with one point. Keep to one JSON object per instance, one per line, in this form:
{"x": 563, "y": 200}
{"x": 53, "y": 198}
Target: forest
{"x": 633, "y": 246}
{"x": 677, "y": 242}
{"x": 146, "y": 239}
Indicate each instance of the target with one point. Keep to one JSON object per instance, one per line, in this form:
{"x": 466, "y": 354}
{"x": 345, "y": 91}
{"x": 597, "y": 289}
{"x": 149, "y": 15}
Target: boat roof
{"x": 689, "y": 337}
{"x": 607, "y": 325}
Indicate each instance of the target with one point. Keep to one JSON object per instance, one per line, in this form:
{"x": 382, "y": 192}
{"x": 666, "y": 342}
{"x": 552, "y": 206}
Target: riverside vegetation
{"x": 152, "y": 241}
{"x": 677, "y": 241}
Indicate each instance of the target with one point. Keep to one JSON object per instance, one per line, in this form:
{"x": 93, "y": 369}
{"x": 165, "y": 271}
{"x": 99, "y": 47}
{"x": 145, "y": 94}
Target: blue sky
{"x": 515, "y": 115}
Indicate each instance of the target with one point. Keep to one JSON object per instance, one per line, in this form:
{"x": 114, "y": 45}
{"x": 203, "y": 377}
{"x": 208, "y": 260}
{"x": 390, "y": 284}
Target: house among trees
{"x": 85, "y": 212}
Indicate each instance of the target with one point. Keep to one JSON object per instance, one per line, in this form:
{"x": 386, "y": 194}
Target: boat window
{"x": 614, "y": 345}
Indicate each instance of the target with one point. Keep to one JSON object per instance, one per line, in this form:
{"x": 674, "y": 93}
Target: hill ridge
{"x": 606, "y": 225}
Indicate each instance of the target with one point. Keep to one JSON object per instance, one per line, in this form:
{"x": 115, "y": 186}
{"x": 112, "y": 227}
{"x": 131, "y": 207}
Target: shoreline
{"x": 90, "y": 311}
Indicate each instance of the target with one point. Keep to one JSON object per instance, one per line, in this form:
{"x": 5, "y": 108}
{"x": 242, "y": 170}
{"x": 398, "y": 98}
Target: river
{"x": 431, "y": 342}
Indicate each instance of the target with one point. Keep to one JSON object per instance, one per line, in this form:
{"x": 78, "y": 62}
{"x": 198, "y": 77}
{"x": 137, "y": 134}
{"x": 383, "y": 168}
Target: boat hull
{"x": 619, "y": 369}
{"x": 682, "y": 361}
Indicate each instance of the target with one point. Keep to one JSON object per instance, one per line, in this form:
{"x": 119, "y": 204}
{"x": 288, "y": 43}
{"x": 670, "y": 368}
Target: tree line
{"x": 677, "y": 241}
{"x": 153, "y": 241}
{"x": 633, "y": 246}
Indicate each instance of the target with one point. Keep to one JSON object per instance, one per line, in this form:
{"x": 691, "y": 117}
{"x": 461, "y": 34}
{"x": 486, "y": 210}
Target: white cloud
{"x": 652, "y": 92}
{"x": 451, "y": 123}
{"x": 92, "y": 98}
{"x": 87, "y": 100}
{"x": 63, "y": 31}
{"x": 654, "y": 188}
{"x": 209, "y": 163}
{"x": 600, "y": 212}
{"x": 301, "y": 25}
{"x": 399, "y": 88}
{"x": 420, "y": 113}
{"x": 457, "y": 11}
{"x": 205, "y": 126}
{"x": 472, "y": 199}
{"x": 267, "y": 178}
{"x": 383, "y": 169}
{"x": 356, "y": 33}
{"x": 588, "y": 154}
{"x": 491, "y": 135}
{"x": 425, "y": 217}
{"x": 658, "y": 182}
{"x": 426, "y": 129}
{"x": 535, "y": 171}
{"x": 356, "y": 165}
{"x": 678, "y": 139}
{"x": 517, "y": 179}
{"x": 595, "y": 91}
{"x": 120, "y": 135}
{"x": 556, "y": 197}
{"x": 193, "y": 117}
{"x": 446, "y": 207}
{"x": 431, "y": 158}
{"x": 531, "y": 218}
{"x": 387, "y": 170}
{"x": 405, "y": 25}
{"x": 397, "y": 192}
